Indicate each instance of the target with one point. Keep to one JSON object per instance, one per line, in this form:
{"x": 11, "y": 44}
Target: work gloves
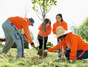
{"x": 32, "y": 44}
{"x": 44, "y": 27}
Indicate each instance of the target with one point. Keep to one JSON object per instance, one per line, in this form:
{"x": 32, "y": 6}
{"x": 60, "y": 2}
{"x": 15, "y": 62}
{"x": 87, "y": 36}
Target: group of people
{"x": 75, "y": 47}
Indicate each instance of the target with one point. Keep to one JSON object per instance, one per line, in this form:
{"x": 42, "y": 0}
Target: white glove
{"x": 45, "y": 51}
{"x": 71, "y": 61}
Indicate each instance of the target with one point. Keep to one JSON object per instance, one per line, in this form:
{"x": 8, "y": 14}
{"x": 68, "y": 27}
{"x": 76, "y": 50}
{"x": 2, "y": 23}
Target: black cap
{"x": 32, "y": 20}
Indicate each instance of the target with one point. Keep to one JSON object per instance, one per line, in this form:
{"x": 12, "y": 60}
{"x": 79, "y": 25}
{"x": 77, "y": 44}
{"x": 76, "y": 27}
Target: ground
{"x": 32, "y": 60}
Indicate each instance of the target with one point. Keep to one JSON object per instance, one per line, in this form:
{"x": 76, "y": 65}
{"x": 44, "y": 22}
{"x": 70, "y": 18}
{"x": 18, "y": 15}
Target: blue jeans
{"x": 84, "y": 56}
{"x": 12, "y": 35}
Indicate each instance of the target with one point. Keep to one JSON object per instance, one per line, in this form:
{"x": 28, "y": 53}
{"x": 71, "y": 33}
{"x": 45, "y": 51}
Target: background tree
{"x": 45, "y": 6}
{"x": 75, "y": 29}
{"x": 82, "y": 30}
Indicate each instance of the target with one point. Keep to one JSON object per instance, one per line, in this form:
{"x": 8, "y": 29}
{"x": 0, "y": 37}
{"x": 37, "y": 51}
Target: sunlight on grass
{"x": 32, "y": 60}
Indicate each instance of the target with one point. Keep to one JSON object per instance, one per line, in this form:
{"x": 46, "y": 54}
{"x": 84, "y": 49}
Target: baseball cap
{"x": 32, "y": 20}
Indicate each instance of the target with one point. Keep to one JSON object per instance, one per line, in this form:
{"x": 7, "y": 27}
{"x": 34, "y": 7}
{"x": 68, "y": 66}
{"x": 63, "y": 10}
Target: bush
{"x": 82, "y": 30}
{"x": 49, "y": 44}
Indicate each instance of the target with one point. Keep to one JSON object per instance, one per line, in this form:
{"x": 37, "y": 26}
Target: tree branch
{"x": 49, "y": 10}
{"x": 38, "y": 15}
{"x": 37, "y": 11}
{"x": 40, "y": 6}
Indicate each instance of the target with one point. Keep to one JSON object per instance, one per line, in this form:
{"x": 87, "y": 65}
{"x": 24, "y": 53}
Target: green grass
{"x": 32, "y": 60}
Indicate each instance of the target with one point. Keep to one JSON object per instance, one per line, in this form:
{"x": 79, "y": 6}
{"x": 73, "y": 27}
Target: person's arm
{"x": 54, "y": 29}
{"x": 48, "y": 30}
{"x": 40, "y": 27}
{"x": 57, "y": 47}
{"x": 66, "y": 27}
{"x": 73, "y": 50}
{"x": 27, "y": 33}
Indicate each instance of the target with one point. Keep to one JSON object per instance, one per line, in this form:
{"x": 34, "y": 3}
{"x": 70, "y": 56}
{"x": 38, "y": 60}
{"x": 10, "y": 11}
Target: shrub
{"x": 49, "y": 44}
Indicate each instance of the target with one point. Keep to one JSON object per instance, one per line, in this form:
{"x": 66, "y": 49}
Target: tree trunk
{"x": 43, "y": 27}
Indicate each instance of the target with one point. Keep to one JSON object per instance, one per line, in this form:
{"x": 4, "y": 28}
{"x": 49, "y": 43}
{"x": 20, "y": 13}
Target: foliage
{"x": 46, "y": 4}
{"x": 49, "y": 44}
{"x": 22, "y": 32}
{"x": 82, "y": 30}
{"x": 75, "y": 29}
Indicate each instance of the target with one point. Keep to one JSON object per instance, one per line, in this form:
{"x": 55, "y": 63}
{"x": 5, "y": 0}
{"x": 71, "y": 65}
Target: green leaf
{"x": 52, "y": 0}
{"x": 32, "y": 0}
{"x": 36, "y": 9}
{"x": 55, "y": 3}
{"x": 33, "y": 8}
{"x": 36, "y": 6}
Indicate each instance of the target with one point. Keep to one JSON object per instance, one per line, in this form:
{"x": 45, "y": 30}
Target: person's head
{"x": 47, "y": 22}
{"x": 61, "y": 37}
{"x": 31, "y": 21}
{"x": 61, "y": 33}
{"x": 59, "y": 17}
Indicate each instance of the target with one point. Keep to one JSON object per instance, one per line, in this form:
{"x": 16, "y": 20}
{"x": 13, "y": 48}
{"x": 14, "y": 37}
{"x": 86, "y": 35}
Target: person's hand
{"x": 45, "y": 51}
{"x": 32, "y": 44}
{"x": 44, "y": 27}
{"x": 71, "y": 61}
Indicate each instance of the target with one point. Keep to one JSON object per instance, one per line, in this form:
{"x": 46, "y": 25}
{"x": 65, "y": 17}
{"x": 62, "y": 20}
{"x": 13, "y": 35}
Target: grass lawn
{"x": 32, "y": 60}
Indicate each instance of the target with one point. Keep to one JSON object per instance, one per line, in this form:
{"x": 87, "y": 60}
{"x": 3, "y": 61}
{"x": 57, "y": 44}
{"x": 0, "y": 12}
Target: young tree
{"x": 45, "y": 6}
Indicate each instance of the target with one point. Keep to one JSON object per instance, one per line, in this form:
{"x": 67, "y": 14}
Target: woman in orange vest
{"x": 59, "y": 22}
{"x": 78, "y": 48}
{"x": 47, "y": 31}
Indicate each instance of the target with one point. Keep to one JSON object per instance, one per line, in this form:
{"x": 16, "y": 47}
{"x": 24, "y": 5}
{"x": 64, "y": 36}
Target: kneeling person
{"x": 78, "y": 48}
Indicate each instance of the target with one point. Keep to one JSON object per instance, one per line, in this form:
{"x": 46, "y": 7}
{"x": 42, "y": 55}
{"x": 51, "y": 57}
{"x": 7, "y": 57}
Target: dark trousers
{"x": 84, "y": 56}
{"x": 41, "y": 43}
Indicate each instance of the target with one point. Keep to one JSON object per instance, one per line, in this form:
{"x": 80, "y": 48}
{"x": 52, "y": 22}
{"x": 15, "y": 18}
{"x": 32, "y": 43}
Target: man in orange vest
{"x": 78, "y": 48}
{"x": 11, "y": 29}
